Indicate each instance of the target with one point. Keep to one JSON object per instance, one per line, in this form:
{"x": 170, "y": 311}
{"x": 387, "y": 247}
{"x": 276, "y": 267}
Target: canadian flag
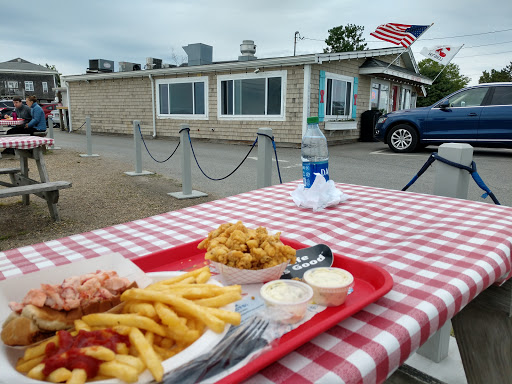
{"x": 443, "y": 54}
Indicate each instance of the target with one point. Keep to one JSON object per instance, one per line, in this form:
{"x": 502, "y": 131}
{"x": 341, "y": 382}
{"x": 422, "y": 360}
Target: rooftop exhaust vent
{"x": 152, "y": 63}
{"x": 125, "y": 66}
{"x": 101, "y": 65}
{"x": 248, "y": 49}
{"x": 198, "y": 54}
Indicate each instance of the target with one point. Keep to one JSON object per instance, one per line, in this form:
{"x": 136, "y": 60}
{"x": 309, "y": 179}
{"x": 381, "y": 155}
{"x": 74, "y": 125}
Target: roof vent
{"x": 101, "y": 65}
{"x": 153, "y": 63}
{"x": 125, "y": 66}
{"x": 248, "y": 49}
{"x": 199, "y": 54}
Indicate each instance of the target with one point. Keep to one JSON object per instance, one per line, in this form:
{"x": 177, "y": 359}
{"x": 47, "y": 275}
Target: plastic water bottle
{"x": 314, "y": 153}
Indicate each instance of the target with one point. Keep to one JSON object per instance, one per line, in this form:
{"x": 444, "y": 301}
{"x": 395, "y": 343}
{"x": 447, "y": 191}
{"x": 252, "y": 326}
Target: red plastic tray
{"x": 370, "y": 283}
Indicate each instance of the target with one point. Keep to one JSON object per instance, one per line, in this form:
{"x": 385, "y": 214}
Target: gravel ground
{"x": 101, "y": 196}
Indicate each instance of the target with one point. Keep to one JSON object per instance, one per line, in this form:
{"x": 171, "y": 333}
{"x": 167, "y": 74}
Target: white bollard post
{"x": 449, "y": 182}
{"x": 186, "y": 168}
{"x": 138, "y": 152}
{"x": 88, "y": 134}
{"x": 50, "y": 133}
{"x": 264, "y": 164}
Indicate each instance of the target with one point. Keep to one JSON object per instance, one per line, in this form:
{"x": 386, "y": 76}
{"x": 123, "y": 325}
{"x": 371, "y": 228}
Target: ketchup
{"x": 68, "y": 354}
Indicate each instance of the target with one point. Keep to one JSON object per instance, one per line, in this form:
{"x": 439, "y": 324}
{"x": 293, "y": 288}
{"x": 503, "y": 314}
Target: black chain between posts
{"x": 472, "y": 170}
{"x": 76, "y": 130}
{"x": 149, "y": 153}
{"x": 239, "y": 165}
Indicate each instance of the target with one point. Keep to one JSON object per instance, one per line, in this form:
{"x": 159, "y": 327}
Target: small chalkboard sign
{"x": 319, "y": 255}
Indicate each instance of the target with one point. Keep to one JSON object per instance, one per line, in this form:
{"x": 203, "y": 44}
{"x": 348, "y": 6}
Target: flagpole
{"x": 405, "y": 50}
{"x": 447, "y": 64}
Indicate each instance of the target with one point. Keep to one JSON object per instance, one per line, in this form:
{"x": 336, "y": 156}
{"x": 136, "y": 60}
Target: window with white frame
{"x": 45, "y": 87}
{"x": 12, "y": 85}
{"x": 183, "y": 97}
{"x": 379, "y": 96}
{"x": 339, "y": 100}
{"x": 29, "y": 86}
{"x": 252, "y": 95}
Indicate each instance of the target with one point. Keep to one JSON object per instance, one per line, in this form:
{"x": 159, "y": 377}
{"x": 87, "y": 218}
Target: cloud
{"x": 68, "y": 34}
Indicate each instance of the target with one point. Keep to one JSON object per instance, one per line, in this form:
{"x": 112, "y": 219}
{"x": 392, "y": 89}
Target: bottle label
{"x": 310, "y": 168}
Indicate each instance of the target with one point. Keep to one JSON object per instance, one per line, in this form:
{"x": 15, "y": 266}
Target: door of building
{"x": 395, "y": 97}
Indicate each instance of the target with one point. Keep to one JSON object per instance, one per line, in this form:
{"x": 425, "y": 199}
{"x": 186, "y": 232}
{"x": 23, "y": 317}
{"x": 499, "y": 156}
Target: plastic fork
{"x": 234, "y": 348}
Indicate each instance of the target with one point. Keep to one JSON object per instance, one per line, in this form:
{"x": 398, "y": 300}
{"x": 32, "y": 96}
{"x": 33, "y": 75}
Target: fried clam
{"x": 237, "y": 246}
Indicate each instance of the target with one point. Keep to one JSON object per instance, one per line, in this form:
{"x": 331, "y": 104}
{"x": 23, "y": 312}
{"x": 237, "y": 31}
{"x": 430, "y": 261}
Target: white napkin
{"x": 321, "y": 194}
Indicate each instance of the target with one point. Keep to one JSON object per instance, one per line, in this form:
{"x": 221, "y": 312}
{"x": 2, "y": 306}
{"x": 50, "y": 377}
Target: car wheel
{"x": 403, "y": 138}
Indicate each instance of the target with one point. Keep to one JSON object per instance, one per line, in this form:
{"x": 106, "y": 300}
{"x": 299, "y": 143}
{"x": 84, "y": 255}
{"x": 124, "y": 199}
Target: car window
{"x": 502, "y": 96}
{"x": 468, "y": 98}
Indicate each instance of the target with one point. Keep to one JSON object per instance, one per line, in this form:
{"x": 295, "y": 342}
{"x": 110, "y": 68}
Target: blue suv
{"x": 480, "y": 115}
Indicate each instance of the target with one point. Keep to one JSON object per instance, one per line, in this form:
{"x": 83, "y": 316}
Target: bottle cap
{"x": 312, "y": 119}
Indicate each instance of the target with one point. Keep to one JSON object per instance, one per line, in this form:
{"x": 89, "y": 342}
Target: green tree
{"x": 55, "y": 69}
{"x": 497, "y": 76}
{"x": 450, "y": 80}
{"x": 345, "y": 39}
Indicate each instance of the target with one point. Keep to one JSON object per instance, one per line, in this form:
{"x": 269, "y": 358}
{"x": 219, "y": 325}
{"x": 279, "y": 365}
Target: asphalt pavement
{"x": 368, "y": 163}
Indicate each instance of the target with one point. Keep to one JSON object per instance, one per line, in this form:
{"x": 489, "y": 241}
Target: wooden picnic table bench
{"x": 48, "y": 191}
{"x": 31, "y": 147}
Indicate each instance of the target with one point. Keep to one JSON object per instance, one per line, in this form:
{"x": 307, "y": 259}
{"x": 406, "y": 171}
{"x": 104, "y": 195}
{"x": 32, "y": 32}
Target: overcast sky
{"x": 67, "y": 33}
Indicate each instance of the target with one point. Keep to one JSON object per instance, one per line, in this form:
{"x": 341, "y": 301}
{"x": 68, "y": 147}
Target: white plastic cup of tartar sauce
{"x": 330, "y": 285}
{"x": 288, "y": 299}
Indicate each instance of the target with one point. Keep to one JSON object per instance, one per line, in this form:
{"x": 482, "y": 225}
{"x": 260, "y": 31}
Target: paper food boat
{"x": 231, "y": 275}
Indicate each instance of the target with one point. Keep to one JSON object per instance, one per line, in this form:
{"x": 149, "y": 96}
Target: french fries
{"x": 156, "y": 323}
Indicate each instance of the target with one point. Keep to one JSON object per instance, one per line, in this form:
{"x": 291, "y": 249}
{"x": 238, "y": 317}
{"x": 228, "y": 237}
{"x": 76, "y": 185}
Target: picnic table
{"x": 440, "y": 252}
{"x": 6, "y": 122}
{"x": 9, "y": 123}
{"x": 30, "y": 147}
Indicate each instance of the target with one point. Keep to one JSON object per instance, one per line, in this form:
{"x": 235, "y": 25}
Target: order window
{"x": 252, "y": 95}
{"x": 182, "y": 97}
{"x": 339, "y": 90}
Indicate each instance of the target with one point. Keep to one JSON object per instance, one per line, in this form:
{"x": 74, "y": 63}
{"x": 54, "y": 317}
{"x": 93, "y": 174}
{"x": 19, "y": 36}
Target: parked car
{"x": 55, "y": 115}
{"x": 480, "y": 115}
{"x": 48, "y": 108}
{"x": 6, "y": 111}
{"x": 7, "y": 107}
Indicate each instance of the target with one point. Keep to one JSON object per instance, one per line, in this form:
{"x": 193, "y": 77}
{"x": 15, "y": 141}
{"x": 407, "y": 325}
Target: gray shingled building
{"x": 22, "y": 78}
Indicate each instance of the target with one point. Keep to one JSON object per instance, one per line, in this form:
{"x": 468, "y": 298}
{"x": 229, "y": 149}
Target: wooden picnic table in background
{"x": 31, "y": 147}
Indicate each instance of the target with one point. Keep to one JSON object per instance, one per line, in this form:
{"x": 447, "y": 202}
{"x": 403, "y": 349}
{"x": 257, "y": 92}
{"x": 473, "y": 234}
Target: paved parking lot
{"x": 371, "y": 164}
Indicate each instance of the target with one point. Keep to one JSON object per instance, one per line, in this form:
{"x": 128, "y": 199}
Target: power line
{"x": 476, "y": 46}
{"x": 485, "y": 54}
{"x": 451, "y": 37}
{"x": 472, "y": 34}
{"x": 485, "y": 45}
{"x": 307, "y": 38}
{"x": 437, "y": 38}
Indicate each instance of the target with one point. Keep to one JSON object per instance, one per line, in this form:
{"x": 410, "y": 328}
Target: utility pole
{"x": 297, "y": 36}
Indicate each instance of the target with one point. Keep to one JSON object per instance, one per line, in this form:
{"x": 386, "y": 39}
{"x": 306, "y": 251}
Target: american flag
{"x": 403, "y": 34}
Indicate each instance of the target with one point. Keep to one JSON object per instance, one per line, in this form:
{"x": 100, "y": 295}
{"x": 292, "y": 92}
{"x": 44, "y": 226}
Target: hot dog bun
{"x": 37, "y": 323}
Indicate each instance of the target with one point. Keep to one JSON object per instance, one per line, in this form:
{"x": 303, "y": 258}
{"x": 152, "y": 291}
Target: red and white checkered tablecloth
{"x": 24, "y": 142}
{"x": 11, "y": 122}
{"x": 441, "y": 253}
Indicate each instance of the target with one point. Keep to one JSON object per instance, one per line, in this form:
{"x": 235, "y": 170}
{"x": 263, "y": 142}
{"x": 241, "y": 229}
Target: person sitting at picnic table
{"x": 38, "y": 122}
{"x": 22, "y": 112}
